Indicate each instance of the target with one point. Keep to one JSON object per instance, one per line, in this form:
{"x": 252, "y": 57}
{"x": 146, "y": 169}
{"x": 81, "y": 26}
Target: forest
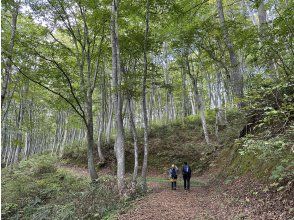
{"x": 100, "y": 97}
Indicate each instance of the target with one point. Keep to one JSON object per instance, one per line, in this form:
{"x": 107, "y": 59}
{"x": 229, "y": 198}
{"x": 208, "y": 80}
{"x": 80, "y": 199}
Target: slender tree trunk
{"x": 19, "y": 120}
{"x": 220, "y": 118}
{"x": 99, "y": 141}
{"x": 144, "y": 106}
{"x": 199, "y": 102}
{"x": 7, "y": 154}
{"x": 55, "y": 143}
{"x": 8, "y": 67}
{"x": 173, "y": 107}
{"x": 135, "y": 139}
{"x": 236, "y": 75}
{"x": 167, "y": 83}
{"x": 160, "y": 114}
{"x": 65, "y": 135}
{"x": 102, "y": 120}
{"x": 192, "y": 103}
{"x": 185, "y": 103}
{"x": 151, "y": 103}
{"x": 109, "y": 124}
{"x": 26, "y": 147}
{"x": 262, "y": 22}
{"x": 4, "y": 137}
{"x": 116, "y": 80}
{"x": 90, "y": 137}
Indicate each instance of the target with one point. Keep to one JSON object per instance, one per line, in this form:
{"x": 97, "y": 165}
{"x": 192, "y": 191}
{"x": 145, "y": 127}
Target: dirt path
{"x": 200, "y": 202}
{"x": 203, "y": 201}
{"x": 206, "y": 200}
{"x": 243, "y": 198}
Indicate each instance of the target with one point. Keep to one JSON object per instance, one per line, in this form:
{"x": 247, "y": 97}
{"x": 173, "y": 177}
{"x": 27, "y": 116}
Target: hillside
{"x": 113, "y": 109}
{"x": 222, "y": 177}
{"x": 176, "y": 142}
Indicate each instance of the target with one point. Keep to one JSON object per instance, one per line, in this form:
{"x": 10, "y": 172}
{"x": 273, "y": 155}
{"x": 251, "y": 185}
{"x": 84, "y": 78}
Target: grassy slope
{"x": 173, "y": 143}
{"x": 39, "y": 189}
{"x": 184, "y": 141}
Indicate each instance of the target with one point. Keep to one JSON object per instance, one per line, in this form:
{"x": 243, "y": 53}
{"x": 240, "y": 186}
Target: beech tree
{"x": 92, "y": 72}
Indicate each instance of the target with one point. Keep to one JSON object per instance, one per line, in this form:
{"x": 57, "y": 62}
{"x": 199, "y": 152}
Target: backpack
{"x": 186, "y": 169}
{"x": 173, "y": 173}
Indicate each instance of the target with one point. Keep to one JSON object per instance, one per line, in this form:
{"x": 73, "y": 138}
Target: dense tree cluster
{"x": 85, "y": 70}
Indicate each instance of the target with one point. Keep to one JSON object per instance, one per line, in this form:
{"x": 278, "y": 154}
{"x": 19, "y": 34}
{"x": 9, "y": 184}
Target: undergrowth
{"x": 37, "y": 189}
{"x": 179, "y": 141}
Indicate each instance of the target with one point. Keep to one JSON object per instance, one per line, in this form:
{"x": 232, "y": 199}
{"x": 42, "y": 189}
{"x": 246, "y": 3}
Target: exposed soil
{"x": 243, "y": 198}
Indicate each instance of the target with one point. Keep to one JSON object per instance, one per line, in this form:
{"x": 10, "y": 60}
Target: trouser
{"x": 174, "y": 184}
{"x": 186, "y": 181}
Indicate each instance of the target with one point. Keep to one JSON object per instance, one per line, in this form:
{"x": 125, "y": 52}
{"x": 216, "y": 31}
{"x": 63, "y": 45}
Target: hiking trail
{"x": 203, "y": 201}
{"x": 208, "y": 198}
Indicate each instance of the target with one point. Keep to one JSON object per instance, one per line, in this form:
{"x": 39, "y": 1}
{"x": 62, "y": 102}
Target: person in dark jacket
{"x": 173, "y": 171}
{"x": 186, "y": 175}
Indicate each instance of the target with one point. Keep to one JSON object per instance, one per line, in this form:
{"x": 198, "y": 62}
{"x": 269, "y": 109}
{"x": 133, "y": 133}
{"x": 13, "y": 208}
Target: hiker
{"x": 186, "y": 175}
{"x": 173, "y": 176}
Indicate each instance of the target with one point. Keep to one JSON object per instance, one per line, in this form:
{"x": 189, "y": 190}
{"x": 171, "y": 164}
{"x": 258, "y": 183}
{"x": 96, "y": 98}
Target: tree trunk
{"x": 144, "y": 106}
{"x": 192, "y": 103}
{"x": 90, "y": 138}
{"x": 8, "y": 67}
{"x": 220, "y": 118}
{"x": 19, "y": 120}
{"x": 236, "y": 75}
{"x": 199, "y": 102}
{"x": 26, "y": 148}
{"x": 65, "y": 134}
{"x": 108, "y": 128}
{"x": 99, "y": 141}
{"x": 151, "y": 103}
{"x": 116, "y": 80}
{"x": 135, "y": 139}
{"x": 185, "y": 103}
{"x": 262, "y": 22}
{"x": 101, "y": 120}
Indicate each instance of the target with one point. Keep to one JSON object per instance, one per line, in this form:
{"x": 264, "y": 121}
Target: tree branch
{"x": 54, "y": 92}
{"x": 66, "y": 76}
{"x": 97, "y": 60}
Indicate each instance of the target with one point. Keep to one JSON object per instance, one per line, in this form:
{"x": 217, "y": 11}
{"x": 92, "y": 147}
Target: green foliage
{"x": 75, "y": 153}
{"x": 38, "y": 190}
{"x": 283, "y": 170}
{"x": 264, "y": 150}
{"x": 271, "y": 158}
{"x": 272, "y": 101}
{"x": 38, "y": 165}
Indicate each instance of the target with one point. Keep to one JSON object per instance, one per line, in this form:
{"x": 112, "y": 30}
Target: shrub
{"x": 283, "y": 170}
{"x": 55, "y": 193}
{"x": 264, "y": 150}
{"x": 38, "y": 165}
{"x": 273, "y": 155}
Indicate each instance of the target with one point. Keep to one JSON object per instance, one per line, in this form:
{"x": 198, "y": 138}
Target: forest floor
{"x": 208, "y": 198}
